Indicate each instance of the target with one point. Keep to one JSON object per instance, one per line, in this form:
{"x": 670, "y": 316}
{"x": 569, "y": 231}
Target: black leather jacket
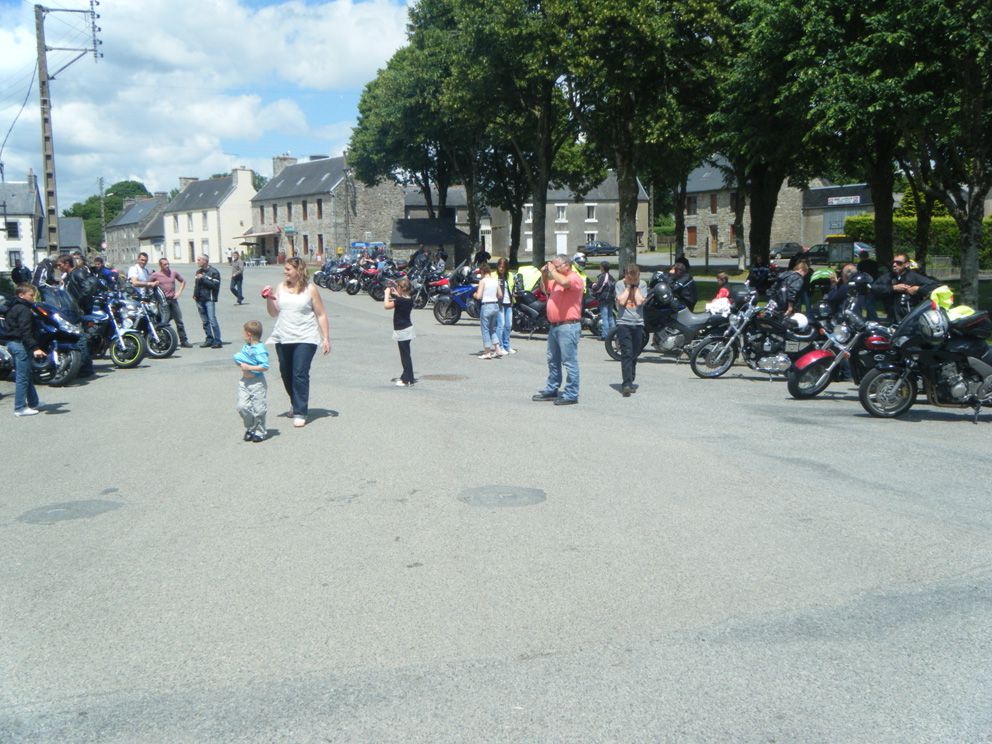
{"x": 684, "y": 288}
{"x": 19, "y": 324}
{"x": 207, "y": 284}
{"x": 788, "y": 288}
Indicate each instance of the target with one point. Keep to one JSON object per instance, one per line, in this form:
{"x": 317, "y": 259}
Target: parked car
{"x": 600, "y": 248}
{"x": 784, "y": 250}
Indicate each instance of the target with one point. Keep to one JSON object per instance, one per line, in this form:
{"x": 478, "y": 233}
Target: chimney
{"x": 185, "y": 181}
{"x": 32, "y": 180}
{"x": 160, "y": 195}
{"x": 317, "y": 157}
{"x": 128, "y": 203}
{"x": 241, "y": 175}
{"x": 280, "y": 162}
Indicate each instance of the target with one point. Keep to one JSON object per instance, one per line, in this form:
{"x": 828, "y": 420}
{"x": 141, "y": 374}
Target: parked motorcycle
{"x": 457, "y": 297}
{"x": 141, "y": 312}
{"x": 530, "y": 308}
{"x": 764, "y": 338}
{"x": 948, "y": 358}
{"x": 107, "y": 335}
{"x": 58, "y": 338}
{"x": 672, "y": 327}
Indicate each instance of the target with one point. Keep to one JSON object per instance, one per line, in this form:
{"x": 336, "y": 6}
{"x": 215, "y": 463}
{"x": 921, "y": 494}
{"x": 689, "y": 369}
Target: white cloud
{"x": 184, "y": 82}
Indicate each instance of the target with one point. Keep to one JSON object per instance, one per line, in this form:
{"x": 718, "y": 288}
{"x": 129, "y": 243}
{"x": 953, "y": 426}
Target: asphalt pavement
{"x": 705, "y": 561}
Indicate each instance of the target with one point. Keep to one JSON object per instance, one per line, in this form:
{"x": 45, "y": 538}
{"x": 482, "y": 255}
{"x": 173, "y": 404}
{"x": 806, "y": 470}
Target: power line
{"x": 26, "y": 96}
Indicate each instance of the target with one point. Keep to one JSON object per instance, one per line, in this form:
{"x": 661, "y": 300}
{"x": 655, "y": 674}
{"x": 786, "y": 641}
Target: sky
{"x": 189, "y": 87}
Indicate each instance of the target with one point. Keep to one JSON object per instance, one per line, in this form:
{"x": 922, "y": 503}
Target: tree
{"x": 113, "y": 205}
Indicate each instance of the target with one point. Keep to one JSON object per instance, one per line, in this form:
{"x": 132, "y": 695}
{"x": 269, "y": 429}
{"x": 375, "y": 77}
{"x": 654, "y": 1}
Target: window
{"x": 289, "y": 211}
{"x": 261, "y": 215}
{"x": 203, "y": 220}
{"x": 275, "y": 213}
{"x": 306, "y": 245}
{"x": 690, "y": 205}
{"x": 733, "y": 202}
{"x": 320, "y": 209}
{"x": 320, "y": 240}
{"x": 13, "y": 257}
{"x": 529, "y": 213}
{"x": 691, "y": 235}
{"x": 560, "y": 213}
{"x": 205, "y": 247}
{"x": 590, "y": 237}
{"x": 303, "y": 207}
{"x": 713, "y": 203}
{"x": 176, "y": 250}
{"x": 590, "y": 212}
{"x": 13, "y": 231}
{"x": 714, "y": 241}
{"x": 175, "y": 223}
{"x": 189, "y": 222}
{"x": 733, "y": 234}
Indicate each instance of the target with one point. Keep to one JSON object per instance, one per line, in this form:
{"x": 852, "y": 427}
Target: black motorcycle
{"x": 141, "y": 312}
{"x": 763, "y": 337}
{"x": 673, "y": 328}
{"x": 58, "y": 338}
{"x": 106, "y": 333}
{"x": 949, "y": 359}
{"x": 530, "y": 312}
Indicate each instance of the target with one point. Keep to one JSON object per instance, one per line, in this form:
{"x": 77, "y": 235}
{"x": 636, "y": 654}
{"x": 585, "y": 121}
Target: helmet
{"x": 658, "y": 276}
{"x": 861, "y": 283}
{"x": 662, "y": 293}
{"x": 739, "y": 297}
{"x": 579, "y": 260}
{"x": 933, "y": 326}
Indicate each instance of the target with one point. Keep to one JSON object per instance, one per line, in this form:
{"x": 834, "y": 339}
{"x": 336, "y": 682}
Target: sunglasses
{"x": 899, "y": 263}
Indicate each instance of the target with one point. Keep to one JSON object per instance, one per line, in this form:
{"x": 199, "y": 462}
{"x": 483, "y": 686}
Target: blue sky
{"x": 191, "y": 87}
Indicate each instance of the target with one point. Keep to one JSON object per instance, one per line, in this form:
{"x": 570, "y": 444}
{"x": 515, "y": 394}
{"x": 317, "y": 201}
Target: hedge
{"x": 944, "y": 240}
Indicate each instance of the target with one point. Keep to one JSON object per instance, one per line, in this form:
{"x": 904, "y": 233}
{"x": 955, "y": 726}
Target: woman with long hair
{"x": 301, "y": 326}
{"x": 630, "y": 325}
{"x": 489, "y": 294}
{"x": 504, "y": 320}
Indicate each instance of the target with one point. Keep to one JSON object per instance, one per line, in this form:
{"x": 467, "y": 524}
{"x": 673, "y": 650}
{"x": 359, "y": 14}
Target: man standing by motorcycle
{"x": 683, "y": 285}
{"x": 565, "y": 289}
{"x": 167, "y": 279}
{"x": 139, "y": 277}
{"x": 789, "y": 288}
{"x": 902, "y": 289}
{"x": 205, "y": 291}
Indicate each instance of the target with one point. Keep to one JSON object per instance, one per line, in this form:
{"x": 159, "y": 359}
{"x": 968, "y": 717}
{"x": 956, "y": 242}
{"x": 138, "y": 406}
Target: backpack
{"x": 606, "y": 289}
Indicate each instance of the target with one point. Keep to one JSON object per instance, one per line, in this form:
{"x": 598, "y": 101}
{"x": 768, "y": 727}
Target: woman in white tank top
{"x": 489, "y": 294}
{"x": 301, "y": 326}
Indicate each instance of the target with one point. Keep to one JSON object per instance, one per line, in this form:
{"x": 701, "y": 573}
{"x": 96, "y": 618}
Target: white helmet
{"x": 933, "y": 326}
{"x": 579, "y": 259}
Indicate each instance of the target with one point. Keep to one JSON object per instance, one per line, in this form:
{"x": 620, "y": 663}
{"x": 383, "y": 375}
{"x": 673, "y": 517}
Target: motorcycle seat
{"x": 688, "y": 318}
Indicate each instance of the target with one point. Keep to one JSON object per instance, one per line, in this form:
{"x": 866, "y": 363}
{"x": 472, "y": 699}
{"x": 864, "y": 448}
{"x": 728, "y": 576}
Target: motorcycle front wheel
{"x": 712, "y": 358}
{"x": 809, "y": 381}
{"x": 133, "y": 351}
{"x": 377, "y": 292}
{"x": 446, "y": 312}
{"x": 168, "y": 342}
{"x": 886, "y": 394}
{"x": 335, "y": 283}
{"x": 420, "y": 300}
{"x": 62, "y": 372}
{"x": 352, "y": 288}
{"x": 320, "y": 279}
{"x": 613, "y": 344}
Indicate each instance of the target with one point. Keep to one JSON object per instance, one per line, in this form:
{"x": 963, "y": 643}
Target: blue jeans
{"x": 563, "y": 350}
{"x": 488, "y": 313}
{"x": 504, "y": 324}
{"x": 608, "y": 315}
{"x": 25, "y": 396}
{"x": 294, "y": 367}
{"x": 208, "y": 314}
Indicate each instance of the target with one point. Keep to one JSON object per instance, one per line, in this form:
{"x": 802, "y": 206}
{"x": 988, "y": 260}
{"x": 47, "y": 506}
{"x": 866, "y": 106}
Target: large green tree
{"x": 113, "y": 205}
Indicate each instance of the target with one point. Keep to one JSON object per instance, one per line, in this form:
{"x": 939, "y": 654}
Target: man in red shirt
{"x": 565, "y": 289}
{"x": 166, "y": 280}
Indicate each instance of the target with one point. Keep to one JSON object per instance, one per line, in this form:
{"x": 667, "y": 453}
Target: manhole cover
{"x": 444, "y": 378}
{"x": 490, "y": 496}
{"x": 69, "y": 510}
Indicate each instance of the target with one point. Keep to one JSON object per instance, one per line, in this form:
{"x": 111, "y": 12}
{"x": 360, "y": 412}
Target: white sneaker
{"x": 299, "y": 422}
{"x": 27, "y": 412}
{"x": 400, "y": 383}
{"x": 502, "y": 352}
{"x": 512, "y": 350}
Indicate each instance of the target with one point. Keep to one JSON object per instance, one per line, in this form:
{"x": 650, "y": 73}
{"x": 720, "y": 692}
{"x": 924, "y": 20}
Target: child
{"x": 22, "y": 344}
{"x": 252, "y": 388}
{"x": 398, "y": 300}
{"x": 722, "y": 289}
{"x": 720, "y": 304}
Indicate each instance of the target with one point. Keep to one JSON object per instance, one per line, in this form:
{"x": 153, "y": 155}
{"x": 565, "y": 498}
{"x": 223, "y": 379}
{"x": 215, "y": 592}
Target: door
{"x": 561, "y": 243}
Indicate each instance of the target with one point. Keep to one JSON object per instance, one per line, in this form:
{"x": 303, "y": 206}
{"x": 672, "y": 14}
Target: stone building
{"x": 22, "y": 215}
{"x": 312, "y": 208}
{"x": 124, "y": 231}
{"x": 209, "y": 216}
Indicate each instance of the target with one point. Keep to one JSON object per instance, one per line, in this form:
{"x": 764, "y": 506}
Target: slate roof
{"x": 818, "y": 197}
{"x": 71, "y": 232}
{"x": 138, "y": 212}
{"x": 20, "y": 198}
{"x": 311, "y": 178}
{"x": 414, "y": 197}
{"x": 155, "y": 229}
{"x": 426, "y": 231}
{"x": 206, "y": 194}
{"x": 606, "y": 190}
{"x": 709, "y": 177}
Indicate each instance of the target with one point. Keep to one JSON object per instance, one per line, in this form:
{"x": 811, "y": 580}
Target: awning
{"x": 258, "y": 232}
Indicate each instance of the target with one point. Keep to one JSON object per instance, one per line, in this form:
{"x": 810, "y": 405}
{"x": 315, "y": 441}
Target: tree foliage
{"x": 113, "y": 205}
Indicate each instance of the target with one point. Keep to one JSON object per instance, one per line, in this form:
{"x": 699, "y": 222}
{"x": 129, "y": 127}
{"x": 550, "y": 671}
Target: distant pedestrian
{"x": 237, "y": 277}
{"x": 504, "y": 321}
{"x": 171, "y": 284}
{"x": 301, "y": 326}
{"x": 205, "y": 290}
{"x": 489, "y": 294}
{"x": 22, "y": 345}
{"x": 253, "y": 359}
{"x": 398, "y": 300}
{"x": 604, "y": 290}
{"x": 20, "y": 273}
{"x": 630, "y": 326}
{"x": 565, "y": 289}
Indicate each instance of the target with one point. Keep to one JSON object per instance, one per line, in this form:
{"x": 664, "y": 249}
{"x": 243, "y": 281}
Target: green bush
{"x": 944, "y": 236}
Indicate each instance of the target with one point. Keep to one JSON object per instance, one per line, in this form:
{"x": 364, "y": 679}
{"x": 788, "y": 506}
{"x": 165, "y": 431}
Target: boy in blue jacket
{"x": 252, "y": 388}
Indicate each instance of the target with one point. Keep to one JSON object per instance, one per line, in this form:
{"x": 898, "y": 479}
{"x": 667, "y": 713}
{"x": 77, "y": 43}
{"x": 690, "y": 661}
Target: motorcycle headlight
{"x": 66, "y": 327}
{"x": 842, "y": 333}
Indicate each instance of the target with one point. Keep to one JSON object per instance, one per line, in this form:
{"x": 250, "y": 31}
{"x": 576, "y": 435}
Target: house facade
{"x": 208, "y": 217}
{"x": 124, "y": 231}
{"x": 312, "y": 208}
{"x": 21, "y": 214}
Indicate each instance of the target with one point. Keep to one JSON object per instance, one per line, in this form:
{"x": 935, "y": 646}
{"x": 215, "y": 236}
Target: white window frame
{"x": 175, "y": 223}
{"x": 593, "y": 208}
{"x": 205, "y": 246}
{"x": 528, "y": 242}
{"x": 591, "y": 237}
{"x": 205, "y": 219}
{"x": 528, "y": 213}
{"x": 561, "y": 213}
{"x": 189, "y": 222}
{"x": 177, "y": 250}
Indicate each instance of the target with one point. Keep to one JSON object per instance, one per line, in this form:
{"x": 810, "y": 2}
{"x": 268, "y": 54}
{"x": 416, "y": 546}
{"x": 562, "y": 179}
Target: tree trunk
{"x": 542, "y": 176}
{"x": 881, "y": 180}
{"x": 627, "y": 191}
{"x": 764, "y": 187}
{"x": 516, "y": 218}
{"x": 473, "y": 207}
{"x": 680, "y": 215}
{"x": 924, "y": 214}
{"x": 971, "y": 244}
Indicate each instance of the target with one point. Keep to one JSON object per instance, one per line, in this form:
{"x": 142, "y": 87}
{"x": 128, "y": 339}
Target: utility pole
{"x": 47, "y": 141}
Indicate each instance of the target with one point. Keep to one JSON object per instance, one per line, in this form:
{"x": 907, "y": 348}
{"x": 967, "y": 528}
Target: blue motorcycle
{"x": 457, "y": 296}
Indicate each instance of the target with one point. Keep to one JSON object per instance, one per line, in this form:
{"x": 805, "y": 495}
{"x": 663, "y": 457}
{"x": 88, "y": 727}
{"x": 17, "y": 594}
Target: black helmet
{"x": 658, "y": 276}
{"x": 861, "y": 283}
{"x": 662, "y": 293}
{"x": 739, "y": 296}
